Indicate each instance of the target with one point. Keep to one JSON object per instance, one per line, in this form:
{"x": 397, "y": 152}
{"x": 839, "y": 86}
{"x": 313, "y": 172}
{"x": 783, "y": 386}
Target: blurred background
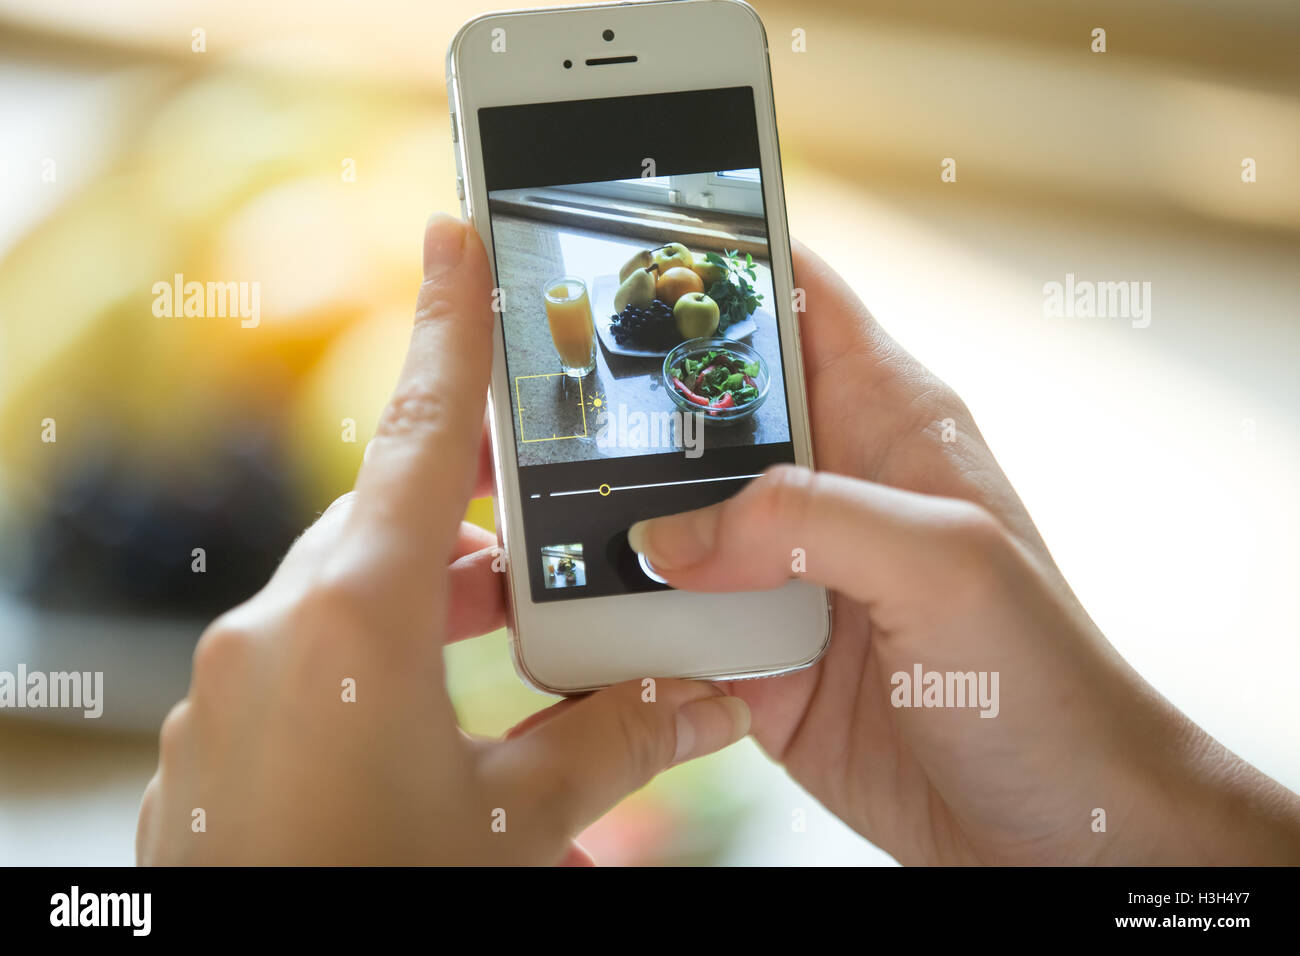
{"x": 303, "y": 145}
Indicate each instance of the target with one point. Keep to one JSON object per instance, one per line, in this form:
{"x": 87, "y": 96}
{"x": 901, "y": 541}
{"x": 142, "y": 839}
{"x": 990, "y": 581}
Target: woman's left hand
{"x": 318, "y": 728}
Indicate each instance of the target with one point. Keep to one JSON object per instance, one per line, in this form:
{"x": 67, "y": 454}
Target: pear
{"x": 637, "y": 289}
{"x": 639, "y": 261}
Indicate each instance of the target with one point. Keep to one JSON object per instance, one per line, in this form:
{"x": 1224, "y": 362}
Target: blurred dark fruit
{"x": 119, "y": 535}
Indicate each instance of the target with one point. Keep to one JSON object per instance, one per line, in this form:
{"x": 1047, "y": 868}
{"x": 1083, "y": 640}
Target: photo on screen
{"x": 563, "y": 566}
{"x": 636, "y": 302}
{"x": 602, "y": 282}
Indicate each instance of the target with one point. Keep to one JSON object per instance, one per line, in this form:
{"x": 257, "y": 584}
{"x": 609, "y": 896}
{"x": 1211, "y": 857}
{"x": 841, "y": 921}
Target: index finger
{"x": 420, "y": 467}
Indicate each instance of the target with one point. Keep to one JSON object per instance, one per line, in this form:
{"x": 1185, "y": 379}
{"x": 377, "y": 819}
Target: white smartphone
{"x": 620, "y": 162}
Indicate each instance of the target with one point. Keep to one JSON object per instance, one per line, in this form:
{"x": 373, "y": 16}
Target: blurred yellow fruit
{"x": 334, "y": 414}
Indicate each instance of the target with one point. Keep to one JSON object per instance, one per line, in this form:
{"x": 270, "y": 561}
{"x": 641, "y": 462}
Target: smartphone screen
{"x": 637, "y": 310}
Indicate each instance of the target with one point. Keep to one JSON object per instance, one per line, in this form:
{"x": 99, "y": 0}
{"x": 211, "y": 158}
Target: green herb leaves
{"x": 736, "y": 298}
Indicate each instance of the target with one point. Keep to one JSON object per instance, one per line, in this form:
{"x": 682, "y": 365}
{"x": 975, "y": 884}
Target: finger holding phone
{"x": 318, "y": 728}
{"x": 950, "y": 578}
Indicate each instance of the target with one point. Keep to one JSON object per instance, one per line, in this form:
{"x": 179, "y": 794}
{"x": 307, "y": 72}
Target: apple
{"x": 706, "y": 270}
{"x": 696, "y": 315}
{"x": 671, "y": 256}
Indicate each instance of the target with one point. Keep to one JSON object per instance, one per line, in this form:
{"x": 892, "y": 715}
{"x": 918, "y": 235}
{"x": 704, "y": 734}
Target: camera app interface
{"x": 640, "y": 327}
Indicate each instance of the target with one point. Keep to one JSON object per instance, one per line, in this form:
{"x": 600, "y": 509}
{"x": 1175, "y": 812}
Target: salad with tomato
{"x": 716, "y": 379}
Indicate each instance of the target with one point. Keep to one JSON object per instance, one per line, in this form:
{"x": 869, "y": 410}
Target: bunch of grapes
{"x": 648, "y": 328}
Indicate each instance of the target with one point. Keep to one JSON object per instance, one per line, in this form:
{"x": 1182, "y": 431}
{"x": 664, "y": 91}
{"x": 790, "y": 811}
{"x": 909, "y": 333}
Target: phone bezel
{"x": 542, "y": 39}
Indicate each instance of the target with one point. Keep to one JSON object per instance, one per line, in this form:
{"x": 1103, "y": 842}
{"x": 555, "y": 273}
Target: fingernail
{"x": 444, "y": 243}
{"x": 636, "y": 538}
{"x": 675, "y": 541}
{"x": 706, "y": 726}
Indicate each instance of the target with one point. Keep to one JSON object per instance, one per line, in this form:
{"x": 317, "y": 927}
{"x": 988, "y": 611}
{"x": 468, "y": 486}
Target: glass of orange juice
{"x": 568, "y": 312}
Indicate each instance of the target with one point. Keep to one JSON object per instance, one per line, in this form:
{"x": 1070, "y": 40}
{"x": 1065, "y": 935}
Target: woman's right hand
{"x": 935, "y": 564}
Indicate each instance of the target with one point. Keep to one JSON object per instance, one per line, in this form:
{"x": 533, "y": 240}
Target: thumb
{"x": 572, "y": 768}
{"x": 867, "y": 541}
